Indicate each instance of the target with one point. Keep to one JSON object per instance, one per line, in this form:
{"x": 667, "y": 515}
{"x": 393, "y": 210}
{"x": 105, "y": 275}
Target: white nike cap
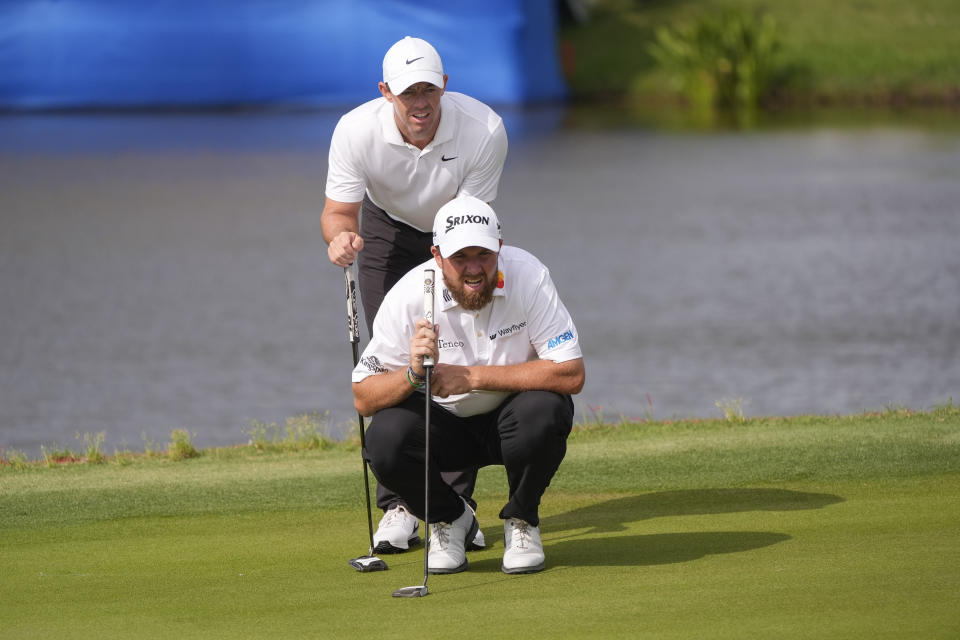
{"x": 466, "y": 222}
{"x": 410, "y": 61}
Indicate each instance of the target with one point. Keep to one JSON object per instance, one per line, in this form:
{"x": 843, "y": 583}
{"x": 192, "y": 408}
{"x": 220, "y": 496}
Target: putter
{"x": 419, "y": 591}
{"x": 369, "y": 562}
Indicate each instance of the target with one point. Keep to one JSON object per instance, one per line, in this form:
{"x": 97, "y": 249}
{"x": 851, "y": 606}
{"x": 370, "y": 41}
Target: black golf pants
{"x": 527, "y": 434}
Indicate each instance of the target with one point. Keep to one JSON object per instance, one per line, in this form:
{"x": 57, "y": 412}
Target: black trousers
{"x": 390, "y": 249}
{"x": 527, "y": 434}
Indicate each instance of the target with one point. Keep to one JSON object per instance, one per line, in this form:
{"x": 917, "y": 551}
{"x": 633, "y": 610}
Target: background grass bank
{"x": 794, "y": 528}
{"x": 877, "y": 52}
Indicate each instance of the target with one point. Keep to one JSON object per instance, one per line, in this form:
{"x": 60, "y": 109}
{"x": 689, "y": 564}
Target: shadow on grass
{"x": 662, "y": 548}
{"x": 613, "y": 515}
{"x": 646, "y": 550}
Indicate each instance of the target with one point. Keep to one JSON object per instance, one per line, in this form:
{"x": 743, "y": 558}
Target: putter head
{"x": 366, "y": 564}
{"x": 411, "y": 592}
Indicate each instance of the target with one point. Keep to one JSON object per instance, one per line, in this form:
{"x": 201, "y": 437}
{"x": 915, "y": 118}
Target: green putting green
{"x": 811, "y": 527}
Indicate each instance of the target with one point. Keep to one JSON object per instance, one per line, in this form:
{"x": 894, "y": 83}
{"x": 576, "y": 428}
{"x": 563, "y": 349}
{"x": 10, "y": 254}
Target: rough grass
{"x": 791, "y": 528}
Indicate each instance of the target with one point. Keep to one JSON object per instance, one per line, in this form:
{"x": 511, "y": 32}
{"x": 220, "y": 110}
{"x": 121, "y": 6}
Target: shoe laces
{"x": 520, "y": 535}
{"x": 441, "y": 534}
{"x": 394, "y": 515}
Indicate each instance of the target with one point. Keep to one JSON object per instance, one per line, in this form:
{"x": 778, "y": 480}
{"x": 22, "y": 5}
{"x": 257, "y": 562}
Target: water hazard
{"x": 162, "y": 272}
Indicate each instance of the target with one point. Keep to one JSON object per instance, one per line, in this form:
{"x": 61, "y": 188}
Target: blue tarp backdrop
{"x": 156, "y": 53}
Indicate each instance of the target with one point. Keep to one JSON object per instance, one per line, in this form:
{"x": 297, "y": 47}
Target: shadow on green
{"x": 612, "y": 515}
{"x": 647, "y": 550}
{"x": 592, "y": 548}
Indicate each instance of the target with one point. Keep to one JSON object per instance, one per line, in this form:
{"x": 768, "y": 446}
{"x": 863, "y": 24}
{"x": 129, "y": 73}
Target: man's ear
{"x": 435, "y": 250}
{"x": 385, "y": 91}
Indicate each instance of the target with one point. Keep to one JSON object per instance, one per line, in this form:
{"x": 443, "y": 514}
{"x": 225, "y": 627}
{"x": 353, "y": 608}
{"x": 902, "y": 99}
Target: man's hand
{"x": 450, "y": 380}
{"x": 423, "y": 343}
{"x": 543, "y": 375}
{"x": 340, "y": 224}
{"x": 343, "y": 250}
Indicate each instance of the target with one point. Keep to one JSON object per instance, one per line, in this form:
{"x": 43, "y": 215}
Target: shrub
{"x": 16, "y": 459}
{"x": 732, "y": 410}
{"x": 55, "y": 455}
{"x": 180, "y": 446}
{"x": 305, "y": 432}
{"x": 728, "y": 61}
{"x": 92, "y": 447}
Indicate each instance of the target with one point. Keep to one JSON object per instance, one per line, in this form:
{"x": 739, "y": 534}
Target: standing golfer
{"x": 507, "y": 359}
{"x": 399, "y": 158}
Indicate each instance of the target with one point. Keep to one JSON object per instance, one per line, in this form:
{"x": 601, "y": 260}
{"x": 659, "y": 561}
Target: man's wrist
{"x": 417, "y": 376}
{"x": 416, "y": 380}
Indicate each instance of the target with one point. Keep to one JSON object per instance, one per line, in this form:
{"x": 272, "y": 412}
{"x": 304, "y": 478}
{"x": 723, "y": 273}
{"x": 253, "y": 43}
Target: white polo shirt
{"x": 525, "y": 321}
{"x": 368, "y": 155}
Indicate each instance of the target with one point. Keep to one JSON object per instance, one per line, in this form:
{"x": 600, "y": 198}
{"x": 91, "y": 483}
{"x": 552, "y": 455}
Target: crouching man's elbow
{"x": 361, "y": 403}
{"x": 575, "y": 376}
{"x": 361, "y": 408}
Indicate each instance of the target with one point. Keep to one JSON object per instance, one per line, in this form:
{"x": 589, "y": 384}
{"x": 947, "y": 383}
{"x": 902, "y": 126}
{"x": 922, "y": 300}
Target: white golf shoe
{"x": 478, "y": 543}
{"x": 448, "y": 543}
{"x": 396, "y": 532}
{"x": 522, "y": 548}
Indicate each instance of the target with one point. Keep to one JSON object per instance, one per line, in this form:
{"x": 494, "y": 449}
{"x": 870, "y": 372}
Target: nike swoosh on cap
{"x": 414, "y": 60}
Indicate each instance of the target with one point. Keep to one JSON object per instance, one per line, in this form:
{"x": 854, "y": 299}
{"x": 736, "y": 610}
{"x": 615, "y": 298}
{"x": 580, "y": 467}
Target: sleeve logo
{"x": 372, "y": 363}
{"x": 566, "y": 336}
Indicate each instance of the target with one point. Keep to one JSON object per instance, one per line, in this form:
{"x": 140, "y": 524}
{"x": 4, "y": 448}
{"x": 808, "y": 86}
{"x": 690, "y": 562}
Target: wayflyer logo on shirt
{"x": 508, "y": 331}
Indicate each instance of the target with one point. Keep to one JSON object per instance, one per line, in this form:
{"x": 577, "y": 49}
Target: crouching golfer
{"x": 507, "y": 359}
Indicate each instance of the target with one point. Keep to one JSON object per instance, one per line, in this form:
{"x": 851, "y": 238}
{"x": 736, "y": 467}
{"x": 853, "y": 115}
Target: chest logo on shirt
{"x": 372, "y": 363}
{"x": 450, "y": 344}
{"x": 446, "y": 159}
{"x": 507, "y": 331}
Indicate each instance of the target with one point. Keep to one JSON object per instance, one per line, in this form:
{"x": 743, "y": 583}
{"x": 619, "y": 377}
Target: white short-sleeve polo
{"x": 525, "y": 321}
{"x": 368, "y": 156}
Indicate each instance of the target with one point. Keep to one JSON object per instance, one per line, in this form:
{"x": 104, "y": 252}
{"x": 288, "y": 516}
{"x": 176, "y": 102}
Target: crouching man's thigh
{"x": 394, "y": 433}
{"x": 535, "y": 417}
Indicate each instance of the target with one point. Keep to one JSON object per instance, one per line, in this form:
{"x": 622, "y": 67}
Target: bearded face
{"x": 472, "y": 299}
{"x": 471, "y": 277}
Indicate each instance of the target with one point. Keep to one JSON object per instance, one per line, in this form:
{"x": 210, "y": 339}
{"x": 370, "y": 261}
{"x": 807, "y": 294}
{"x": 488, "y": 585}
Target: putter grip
{"x": 353, "y": 323}
{"x": 428, "y": 277}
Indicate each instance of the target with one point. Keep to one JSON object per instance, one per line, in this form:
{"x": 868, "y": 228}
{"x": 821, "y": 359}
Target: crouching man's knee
{"x": 538, "y": 417}
{"x": 394, "y": 441}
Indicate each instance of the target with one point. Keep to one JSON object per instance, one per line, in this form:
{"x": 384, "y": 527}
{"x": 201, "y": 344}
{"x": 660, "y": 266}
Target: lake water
{"x": 163, "y": 272}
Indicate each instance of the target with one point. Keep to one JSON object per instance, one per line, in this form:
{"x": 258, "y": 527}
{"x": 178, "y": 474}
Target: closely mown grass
{"x": 619, "y": 457}
{"x": 801, "y": 527}
{"x": 739, "y": 451}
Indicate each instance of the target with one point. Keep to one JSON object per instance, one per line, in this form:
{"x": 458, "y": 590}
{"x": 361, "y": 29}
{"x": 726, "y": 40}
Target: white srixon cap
{"x": 410, "y": 61}
{"x": 466, "y": 222}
